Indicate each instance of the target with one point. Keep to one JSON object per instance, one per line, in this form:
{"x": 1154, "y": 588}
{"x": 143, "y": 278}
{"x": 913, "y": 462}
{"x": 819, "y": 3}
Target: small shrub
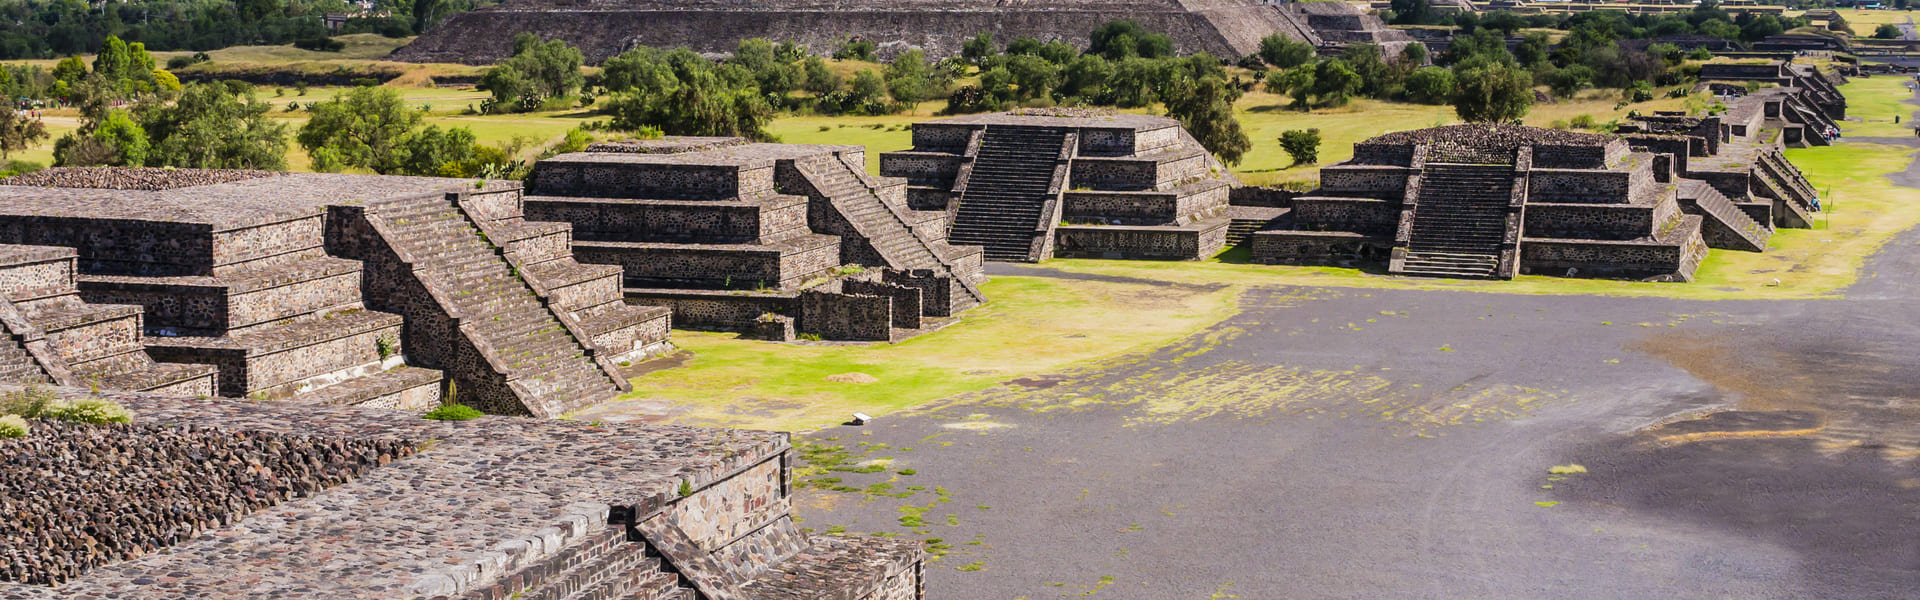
{"x": 1302, "y": 145}
{"x": 13, "y": 426}
{"x": 453, "y": 412}
{"x": 1582, "y": 122}
{"x": 299, "y": 88}
{"x": 383, "y": 345}
{"x": 320, "y": 44}
{"x": 365, "y": 82}
{"x": 94, "y": 411}
{"x": 811, "y": 337}
{"x": 686, "y": 488}
{"x": 31, "y": 401}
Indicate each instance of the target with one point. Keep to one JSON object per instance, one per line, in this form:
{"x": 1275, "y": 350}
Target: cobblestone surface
{"x": 79, "y": 496}
{"x": 120, "y": 178}
{"x": 467, "y": 503}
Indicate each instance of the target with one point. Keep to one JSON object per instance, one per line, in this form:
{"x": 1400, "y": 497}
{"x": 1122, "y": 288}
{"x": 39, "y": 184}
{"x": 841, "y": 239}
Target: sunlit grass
{"x": 1031, "y": 326}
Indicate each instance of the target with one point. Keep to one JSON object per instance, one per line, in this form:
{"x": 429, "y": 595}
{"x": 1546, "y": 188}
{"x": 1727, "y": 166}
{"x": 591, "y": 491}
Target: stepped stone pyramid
{"x": 1490, "y": 201}
{"x": 777, "y": 238}
{"x": 1034, "y": 184}
{"x": 602, "y": 29}
{"x": 330, "y": 289}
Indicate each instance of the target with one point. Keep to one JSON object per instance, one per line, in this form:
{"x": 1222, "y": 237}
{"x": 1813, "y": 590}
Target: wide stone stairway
{"x": 882, "y": 225}
{"x": 1008, "y": 191}
{"x": 544, "y": 363}
{"x": 1741, "y": 231}
{"x": 1460, "y": 221}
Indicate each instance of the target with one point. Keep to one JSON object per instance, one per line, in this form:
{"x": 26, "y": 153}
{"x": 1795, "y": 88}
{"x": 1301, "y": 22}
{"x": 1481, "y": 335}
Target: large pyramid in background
{"x": 604, "y": 28}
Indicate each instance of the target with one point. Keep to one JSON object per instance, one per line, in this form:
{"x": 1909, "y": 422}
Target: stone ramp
{"x": 1004, "y": 206}
{"x": 1726, "y": 225}
{"x": 533, "y": 362}
{"x": 1459, "y": 222}
{"x": 883, "y": 226}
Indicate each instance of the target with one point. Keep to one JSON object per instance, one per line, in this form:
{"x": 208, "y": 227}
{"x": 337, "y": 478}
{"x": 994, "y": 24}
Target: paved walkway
{"x": 1345, "y": 443}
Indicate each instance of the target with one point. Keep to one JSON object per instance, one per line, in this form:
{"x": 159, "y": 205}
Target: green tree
{"x": 1760, "y": 28}
{"x": 1335, "y": 82}
{"x": 1569, "y": 81}
{"x": 1204, "y": 107}
{"x": 1085, "y": 76}
{"x": 1120, "y": 39}
{"x": 212, "y": 126}
{"x": 362, "y": 129}
{"x": 1430, "y": 85}
{"x": 1135, "y": 83}
{"x": 19, "y": 132}
{"x": 1887, "y": 31}
{"x": 71, "y": 70}
{"x": 820, "y": 79}
{"x": 1532, "y": 49}
{"x": 507, "y": 85}
{"x": 683, "y": 94}
{"x": 112, "y": 60}
{"x": 551, "y": 66}
{"x": 1411, "y": 12}
{"x": 1283, "y": 52}
{"x": 1302, "y": 145}
{"x": 1033, "y": 77}
{"x": 1491, "y": 92}
{"x": 1296, "y": 82}
{"x": 909, "y": 78}
{"x": 978, "y": 48}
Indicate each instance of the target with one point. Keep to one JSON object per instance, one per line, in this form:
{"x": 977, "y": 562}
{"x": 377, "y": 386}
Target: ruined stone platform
{"x": 726, "y": 233}
{"x": 1033, "y": 184}
{"x": 499, "y": 507}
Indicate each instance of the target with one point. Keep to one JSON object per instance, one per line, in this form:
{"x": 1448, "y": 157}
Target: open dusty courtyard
{"x": 1349, "y": 443}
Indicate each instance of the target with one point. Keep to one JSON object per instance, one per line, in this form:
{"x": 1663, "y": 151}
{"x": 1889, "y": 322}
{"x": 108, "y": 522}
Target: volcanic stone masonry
{"x": 776, "y": 238}
{"x": 215, "y": 499}
{"x": 310, "y": 288}
{"x": 1486, "y": 201}
{"x": 604, "y": 28}
{"x": 1039, "y": 183}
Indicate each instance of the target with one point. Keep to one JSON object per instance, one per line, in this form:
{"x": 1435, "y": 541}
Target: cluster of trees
{"x": 1706, "y": 18}
{"x": 49, "y": 28}
{"x": 208, "y": 126}
{"x": 372, "y": 128}
{"x": 1484, "y": 82}
{"x": 538, "y": 71}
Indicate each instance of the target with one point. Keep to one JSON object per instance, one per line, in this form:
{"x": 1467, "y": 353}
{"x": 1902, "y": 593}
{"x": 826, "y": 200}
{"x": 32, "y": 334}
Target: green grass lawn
{"x": 1032, "y": 326}
{"x": 1875, "y": 100}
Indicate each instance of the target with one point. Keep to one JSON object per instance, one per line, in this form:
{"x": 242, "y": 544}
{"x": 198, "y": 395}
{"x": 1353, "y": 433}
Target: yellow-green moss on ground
{"x": 1032, "y": 326}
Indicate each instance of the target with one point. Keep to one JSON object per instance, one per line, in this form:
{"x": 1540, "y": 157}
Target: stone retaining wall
{"x": 845, "y": 316}
{"x": 906, "y": 300}
{"x": 674, "y": 221}
{"x": 1141, "y": 243}
{"x": 722, "y": 310}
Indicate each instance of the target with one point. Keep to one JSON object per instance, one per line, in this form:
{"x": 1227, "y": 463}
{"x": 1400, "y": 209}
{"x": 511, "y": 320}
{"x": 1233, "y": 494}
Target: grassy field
{"x": 1875, "y": 100}
{"x": 1033, "y": 326}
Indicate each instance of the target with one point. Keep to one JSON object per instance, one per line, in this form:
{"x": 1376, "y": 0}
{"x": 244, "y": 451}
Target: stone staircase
{"x": 1007, "y": 194}
{"x": 1750, "y": 235}
{"x": 1460, "y": 221}
{"x": 601, "y": 569}
{"x": 16, "y": 364}
{"x": 547, "y": 368}
{"x": 1244, "y": 220}
{"x": 882, "y": 225}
